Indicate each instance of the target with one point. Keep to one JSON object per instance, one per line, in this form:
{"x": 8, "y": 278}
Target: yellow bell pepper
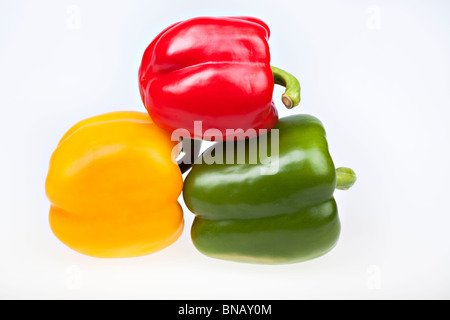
{"x": 113, "y": 184}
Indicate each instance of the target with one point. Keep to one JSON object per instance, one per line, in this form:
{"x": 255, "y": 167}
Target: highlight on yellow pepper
{"x": 114, "y": 184}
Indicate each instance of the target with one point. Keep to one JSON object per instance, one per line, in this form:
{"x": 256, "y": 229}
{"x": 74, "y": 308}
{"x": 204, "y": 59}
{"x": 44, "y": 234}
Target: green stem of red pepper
{"x": 346, "y": 178}
{"x": 291, "y": 96}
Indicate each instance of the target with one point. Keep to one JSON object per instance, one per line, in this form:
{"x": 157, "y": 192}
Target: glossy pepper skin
{"x": 113, "y": 187}
{"x": 213, "y": 70}
{"x": 287, "y": 216}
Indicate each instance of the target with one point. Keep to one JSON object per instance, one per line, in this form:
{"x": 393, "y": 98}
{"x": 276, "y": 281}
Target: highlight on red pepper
{"x": 217, "y": 71}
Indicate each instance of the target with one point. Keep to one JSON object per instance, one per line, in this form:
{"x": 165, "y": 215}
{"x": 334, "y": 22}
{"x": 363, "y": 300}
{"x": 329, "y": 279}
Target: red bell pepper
{"x": 217, "y": 71}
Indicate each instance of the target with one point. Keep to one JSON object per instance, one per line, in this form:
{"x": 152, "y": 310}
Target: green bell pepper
{"x": 259, "y": 211}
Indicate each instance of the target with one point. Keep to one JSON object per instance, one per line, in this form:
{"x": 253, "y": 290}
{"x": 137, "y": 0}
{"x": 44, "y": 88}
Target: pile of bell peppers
{"x": 261, "y": 193}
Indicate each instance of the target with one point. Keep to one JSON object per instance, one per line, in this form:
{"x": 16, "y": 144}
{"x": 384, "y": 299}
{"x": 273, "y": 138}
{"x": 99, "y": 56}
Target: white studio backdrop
{"x": 377, "y": 73}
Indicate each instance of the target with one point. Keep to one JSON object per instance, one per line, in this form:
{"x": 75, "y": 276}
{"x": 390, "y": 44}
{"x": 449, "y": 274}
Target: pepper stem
{"x": 346, "y": 177}
{"x": 291, "y": 97}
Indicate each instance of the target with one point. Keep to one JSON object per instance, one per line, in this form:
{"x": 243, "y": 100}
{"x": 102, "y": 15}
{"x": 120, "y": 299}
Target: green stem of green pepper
{"x": 291, "y": 96}
{"x": 346, "y": 178}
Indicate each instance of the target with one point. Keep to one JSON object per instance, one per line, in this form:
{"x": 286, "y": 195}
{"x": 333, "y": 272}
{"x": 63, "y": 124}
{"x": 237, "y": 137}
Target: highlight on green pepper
{"x": 285, "y": 217}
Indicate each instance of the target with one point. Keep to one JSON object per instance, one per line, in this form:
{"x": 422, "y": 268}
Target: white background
{"x": 375, "y": 72}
